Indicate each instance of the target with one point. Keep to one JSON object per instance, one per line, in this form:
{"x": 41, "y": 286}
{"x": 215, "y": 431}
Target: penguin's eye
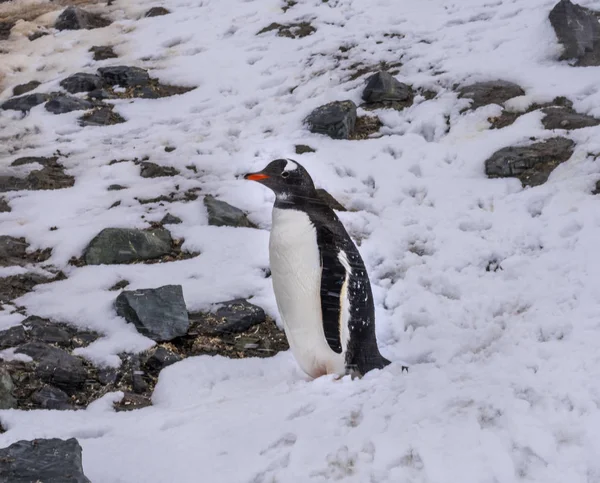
{"x": 285, "y": 174}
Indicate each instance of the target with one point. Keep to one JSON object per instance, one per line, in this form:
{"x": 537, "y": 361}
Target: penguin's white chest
{"x": 296, "y": 275}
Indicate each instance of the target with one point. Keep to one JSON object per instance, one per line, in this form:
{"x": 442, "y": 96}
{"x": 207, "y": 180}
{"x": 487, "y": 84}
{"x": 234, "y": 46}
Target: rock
{"x": 44, "y": 330}
{"x": 330, "y": 200}
{"x": 103, "y": 52}
{"x": 566, "y": 118}
{"x": 233, "y": 316}
{"x": 292, "y": 30}
{"x": 132, "y": 401}
{"x": 17, "y": 285}
{"x": 223, "y": 214}
{"x": 4, "y": 206}
{"x": 366, "y": 126}
{"x": 384, "y": 88}
{"x": 107, "y": 375}
{"x": 491, "y": 92}
{"x": 26, "y": 102}
{"x": 170, "y": 149}
{"x": 116, "y": 187}
{"x": 578, "y": 31}
{"x": 158, "y": 358}
{"x": 124, "y": 76}
{"x": 153, "y": 170}
{"x": 24, "y": 88}
{"x": 42, "y": 460}
{"x": 5, "y": 28}
{"x": 55, "y": 366}
{"x": 531, "y": 164}
{"x": 156, "y": 12}
{"x": 303, "y": 148}
{"x": 50, "y": 397}
{"x": 50, "y": 177}
{"x": 12, "y": 337}
{"x": 159, "y": 314}
{"x": 596, "y": 189}
{"x": 37, "y": 35}
{"x": 7, "y": 400}
{"x": 81, "y": 82}
{"x": 42, "y": 160}
{"x": 13, "y": 251}
{"x": 102, "y": 116}
{"x": 64, "y": 104}
{"x": 170, "y": 219}
{"x": 126, "y": 245}
{"x": 75, "y": 18}
{"x": 155, "y": 90}
{"x": 336, "y": 119}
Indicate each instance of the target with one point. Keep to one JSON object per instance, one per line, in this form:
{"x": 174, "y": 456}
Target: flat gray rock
{"x": 81, "y": 82}
{"x": 64, "y": 104}
{"x": 578, "y": 30}
{"x": 42, "y": 460}
{"x": 230, "y": 317}
{"x": 12, "y": 337}
{"x": 75, "y": 18}
{"x": 50, "y": 397}
{"x": 566, "y": 118}
{"x": 126, "y": 245}
{"x": 158, "y": 313}
{"x": 124, "y": 76}
{"x": 221, "y": 213}
{"x": 336, "y": 119}
{"x": 102, "y": 116}
{"x": 490, "y": 92}
{"x": 26, "y": 102}
{"x": 532, "y": 164}
{"x": 382, "y": 87}
{"x": 24, "y": 88}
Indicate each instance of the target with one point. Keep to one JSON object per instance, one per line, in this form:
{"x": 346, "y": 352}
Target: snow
{"x": 505, "y": 369}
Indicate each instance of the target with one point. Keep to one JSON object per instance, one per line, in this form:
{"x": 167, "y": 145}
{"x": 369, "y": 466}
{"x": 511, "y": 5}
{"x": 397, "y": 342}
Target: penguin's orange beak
{"x": 256, "y": 176}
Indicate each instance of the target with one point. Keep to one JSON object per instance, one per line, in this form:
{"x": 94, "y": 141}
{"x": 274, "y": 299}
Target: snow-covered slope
{"x": 504, "y": 382}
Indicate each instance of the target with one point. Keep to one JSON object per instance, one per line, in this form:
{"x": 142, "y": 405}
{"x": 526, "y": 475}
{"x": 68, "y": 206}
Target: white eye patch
{"x": 290, "y": 166}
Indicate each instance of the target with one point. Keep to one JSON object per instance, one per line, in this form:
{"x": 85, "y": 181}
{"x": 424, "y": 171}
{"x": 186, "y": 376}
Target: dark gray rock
{"x": 4, "y": 205}
{"x": 64, "y": 104}
{"x": 336, "y": 119}
{"x": 107, "y": 375}
{"x": 158, "y": 358}
{"x": 233, "y": 316}
{"x": 490, "y": 92}
{"x": 55, "y": 366}
{"x": 26, "y": 102}
{"x": 5, "y": 28}
{"x": 38, "y": 34}
{"x": 566, "y": 118}
{"x": 125, "y": 245}
{"x": 532, "y": 164}
{"x": 42, "y": 460}
{"x": 44, "y": 330}
{"x": 42, "y": 160}
{"x": 170, "y": 219}
{"x": 12, "y": 337}
{"x": 17, "y": 285}
{"x": 124, "y": 76}
{"x": 13, "y": 251}
{"x": 330, "y": 200}
{"x": 103, "y": 52}
{"x": 578, "y": 30}
{"x": 50, "y": 397}
{"x": 596, "y": 189}
{"x": 7, "y": 400}
{"x": 303, "y": 148}
{"x": 116, "y": 187}
{"x": 24, "y": 88}
{"x": 223, "y": 214}
{"x": 81, "y": 82}
{"x": 75, "y": 18}
{"x": 159, "y": 313}
{"x": 50, "y": 177}
{"x": 153, "y": 170}
{"x": 156, "y": 12}
{"x": 382, "y": 87}
{"x": 102, "y": 116}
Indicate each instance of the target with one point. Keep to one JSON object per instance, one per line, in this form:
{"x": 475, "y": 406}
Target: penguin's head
{"x": 285, "y": 177}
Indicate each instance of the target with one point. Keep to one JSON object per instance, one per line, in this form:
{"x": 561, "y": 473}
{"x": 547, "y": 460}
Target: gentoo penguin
{"x": 320, "y": 282}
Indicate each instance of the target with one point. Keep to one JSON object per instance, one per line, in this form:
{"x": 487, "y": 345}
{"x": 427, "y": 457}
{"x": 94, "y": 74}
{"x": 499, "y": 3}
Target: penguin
{"x": 321, "y": 285}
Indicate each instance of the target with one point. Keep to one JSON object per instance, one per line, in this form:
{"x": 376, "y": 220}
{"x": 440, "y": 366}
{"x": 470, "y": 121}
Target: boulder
{"x": 126, "y": 245}
{"x": 382, "y": 87}
{"x": 12, "y": 337}
{"x": 75, "y": 18}
{"x": 532, "y": 164}
{"x": 578, "y": 30}
{"x": 81, "y": 82}
{"x": 64, "y": 104}
{"x": 124, "y": 76}
{"x": 490, "y": 92}
{"x": 224, "y": 214}
{"x": 233, "y": 316}
{"x": 158, "y": 313}
{"x": 336, "y": 119}
{"x": 42, "y": 460}
{"x": 566, "y": 118}
{"x": 26, "y": 102}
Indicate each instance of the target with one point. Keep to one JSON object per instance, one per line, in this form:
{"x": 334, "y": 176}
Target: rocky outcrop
{"x": 336, "y": 119}
{"x": 221, "y": 213}
{"x": 384, "y": 90}
{"x": 490, "y": 92}
{"x": 81, "y": 82}
{"x": 75, "y": 18}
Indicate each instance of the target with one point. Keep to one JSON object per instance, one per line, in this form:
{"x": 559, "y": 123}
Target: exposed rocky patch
{"x": 159, "y": 314}
{"x": 156, "y": 12}
{"x": 506, "y": 118}
{"x": 17, "y": 285}
{"x": 26, "y": 102}
{"x": 5, "y": 28}
{"x": 384, "y": 90}
{"x": 221, "y": 213}
{"x": 566, "y": 118}
{"x": 578, "y": 31}
{"x": 24, "y": 88}
{"x": 365, "y": 127}
{"x": 101, "y": 116}
{"x": 153, "y": 170}
{"x": 124, "y": 76}
{"x": 303, "y": 149}
{"x": 336, "y": 119}
{"x": 14, "y": 252}
{"x": 81, "y": 82}
{"x": 532, "y": 164}
{"x": 291, "y": 30}
{"x": 63, "y": 104}
{"x": 75, "y": 18}
{"x": 103, "y": 52}
{"x": 127, "y": 245}
{"x": 51, "y": 176}
{"x": 330, "y": 200}
{"x": 4, "y": 205}
{"x": 43, "y": 460}
{"x": 490, "y": 92}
